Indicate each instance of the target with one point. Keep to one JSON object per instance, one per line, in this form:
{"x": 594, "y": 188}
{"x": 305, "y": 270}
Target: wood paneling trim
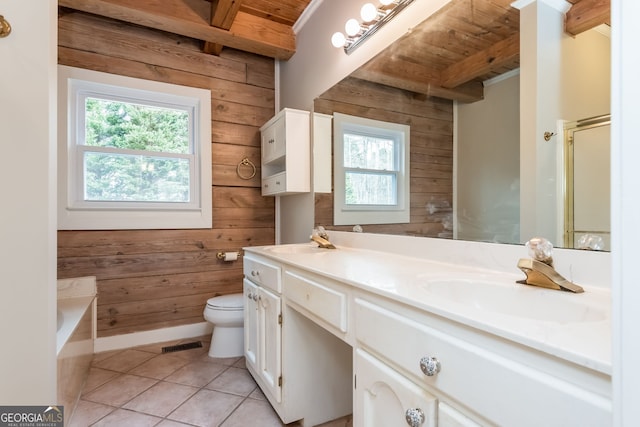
{"x": 150, "y": 279}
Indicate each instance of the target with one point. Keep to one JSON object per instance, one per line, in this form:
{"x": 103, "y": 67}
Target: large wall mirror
{"x": 456, "y": 80}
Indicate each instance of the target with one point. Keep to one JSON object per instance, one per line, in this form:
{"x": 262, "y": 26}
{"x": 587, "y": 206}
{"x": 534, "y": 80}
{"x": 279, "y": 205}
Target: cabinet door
{"x": 270, "y": 339}
{"x": 251, "y": 324}
{"x": 385, "y": 398}
{"x": 273, "y": 141}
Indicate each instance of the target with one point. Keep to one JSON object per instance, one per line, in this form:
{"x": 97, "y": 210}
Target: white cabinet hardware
{"x": 429, "y": 366}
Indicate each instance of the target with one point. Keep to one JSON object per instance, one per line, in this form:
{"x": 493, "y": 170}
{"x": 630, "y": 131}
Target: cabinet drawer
{"x": 274, "y": 184}
{"x": 320, "y": 300}
{"x": 504, "y": 391}
{"x": 262, "y": 272}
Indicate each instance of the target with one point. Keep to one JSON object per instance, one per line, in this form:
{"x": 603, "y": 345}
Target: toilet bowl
{"x": 226, "y": 313}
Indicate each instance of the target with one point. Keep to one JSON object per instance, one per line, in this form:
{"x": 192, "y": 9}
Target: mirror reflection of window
{"x": 372, "y": 171}
{"x": 371, "y": 167}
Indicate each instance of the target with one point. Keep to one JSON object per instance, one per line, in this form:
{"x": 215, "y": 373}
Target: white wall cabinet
{"x": 286, "y": 153}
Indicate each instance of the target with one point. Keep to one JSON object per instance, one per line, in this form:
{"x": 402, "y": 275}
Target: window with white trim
{"x": 132, "y": 153}
{"x": 371, "y": 171}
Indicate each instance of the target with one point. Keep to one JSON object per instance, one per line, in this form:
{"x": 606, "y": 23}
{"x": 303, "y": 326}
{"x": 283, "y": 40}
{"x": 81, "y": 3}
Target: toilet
{"x": 226, "y": 313}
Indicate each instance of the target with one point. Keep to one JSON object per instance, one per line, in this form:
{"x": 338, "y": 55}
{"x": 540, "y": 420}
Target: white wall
{"x": 625, "y": 210}
{"x": 487, "y": 164}
{"x": 27, "y": 218}
{"x": 562, "y": 78}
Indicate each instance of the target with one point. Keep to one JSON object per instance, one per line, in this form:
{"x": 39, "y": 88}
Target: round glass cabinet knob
{"x": 414, "y": 417}
{"x": 429, "y": 366}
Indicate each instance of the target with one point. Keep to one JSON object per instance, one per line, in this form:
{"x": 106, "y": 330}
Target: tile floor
{"x": 144, "y": 387}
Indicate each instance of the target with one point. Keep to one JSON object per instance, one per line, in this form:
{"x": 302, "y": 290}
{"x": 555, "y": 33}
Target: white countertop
{"x": 574, "y": 327}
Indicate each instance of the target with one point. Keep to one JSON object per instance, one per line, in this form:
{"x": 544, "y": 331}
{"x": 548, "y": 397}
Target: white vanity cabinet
{"x": 476, "y": 378}
{"x": 385, "y": 398}
{"x": 262, "y": 321}
{"x": 308, "y": 380}
{"x": 392, "y": 361}
{"x": 286, "y": 145}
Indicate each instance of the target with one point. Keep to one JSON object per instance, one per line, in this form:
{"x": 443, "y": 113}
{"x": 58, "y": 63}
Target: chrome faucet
{"x": 540, "y": 271}
{"x": 320, "y": 236}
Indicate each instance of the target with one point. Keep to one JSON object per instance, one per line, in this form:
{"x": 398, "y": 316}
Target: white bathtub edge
{"x": 72, "y": 310}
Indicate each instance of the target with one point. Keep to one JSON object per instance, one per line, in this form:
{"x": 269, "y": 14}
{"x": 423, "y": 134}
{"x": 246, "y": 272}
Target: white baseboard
{"x": 135, "y": 339}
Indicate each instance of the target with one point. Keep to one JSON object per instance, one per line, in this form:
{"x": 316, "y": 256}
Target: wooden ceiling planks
{"x": 448, "y": 55}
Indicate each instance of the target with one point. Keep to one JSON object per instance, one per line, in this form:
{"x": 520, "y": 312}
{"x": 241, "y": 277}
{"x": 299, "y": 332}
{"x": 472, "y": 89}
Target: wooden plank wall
{"x": 431, "y": 122}
{"x": 149, "y": 279}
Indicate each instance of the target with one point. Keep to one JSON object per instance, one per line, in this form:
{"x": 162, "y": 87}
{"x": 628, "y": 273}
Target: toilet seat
{"x": 233, "y": 302}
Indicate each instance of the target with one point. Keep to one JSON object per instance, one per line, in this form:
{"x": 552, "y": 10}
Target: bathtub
{"x": 74, "y": 338}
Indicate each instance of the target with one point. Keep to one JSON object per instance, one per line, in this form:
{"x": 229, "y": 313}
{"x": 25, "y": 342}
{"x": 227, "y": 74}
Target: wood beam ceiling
{"x": 223, "y": 13}
{"x": 587, "y": 14}
{"x": 192, "y": 18}
{"x": 415, "y": 78}
{"x": 504, "y": 52}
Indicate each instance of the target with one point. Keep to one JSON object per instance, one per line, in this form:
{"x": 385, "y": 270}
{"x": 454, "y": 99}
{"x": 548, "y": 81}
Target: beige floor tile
{"x": 97, "y": 377}
{"x": 206, "y": 408}
{"x": 161, "y": 399}
{"x": 124, "y": 361}
{"x": 253, "y": 413}
{"x": 340, "y": 422}
{"x": 241, "y": 363}
{"x": 97, "y": 357}
{"x": 193, "y": 353}
{"x": 120, "y": 390}
{"x": 227, "y": 361}
{"x": 87, "y": 413}
{"x": 124, "y": 418}
{"x": 234, "y": 381}
{"x": 159, "y": 367}
{"x": 169, "y": 423}
{"x": 257, "y": 394}
{"x": 196, "y": 374}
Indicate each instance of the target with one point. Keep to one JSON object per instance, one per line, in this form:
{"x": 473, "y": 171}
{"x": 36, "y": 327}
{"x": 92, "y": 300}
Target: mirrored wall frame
{"x": 427, "y": 219}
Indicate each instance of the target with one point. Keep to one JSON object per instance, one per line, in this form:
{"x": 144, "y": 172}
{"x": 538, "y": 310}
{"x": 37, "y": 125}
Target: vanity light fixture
{"x": 373, "y": 18}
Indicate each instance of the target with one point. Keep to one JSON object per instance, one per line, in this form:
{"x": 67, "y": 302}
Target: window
{"x": 371, "y": 179}
{"x": 132, "y": 153}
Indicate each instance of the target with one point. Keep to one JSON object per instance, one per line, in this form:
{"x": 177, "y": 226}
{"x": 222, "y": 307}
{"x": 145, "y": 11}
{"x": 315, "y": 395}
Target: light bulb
{"x": 368, "y": 12}
{"x": 338, "y": 39}
{"x": 352, "y": 27}
{"x": 386, "y": 2}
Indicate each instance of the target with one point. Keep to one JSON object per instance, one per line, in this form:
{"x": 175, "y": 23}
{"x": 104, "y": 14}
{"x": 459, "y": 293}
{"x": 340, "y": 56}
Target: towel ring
{"x": 246, "y": 162}
{"x": 5, "y": 27}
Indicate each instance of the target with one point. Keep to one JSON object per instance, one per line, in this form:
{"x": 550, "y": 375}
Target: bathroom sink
{"x": 515, "y": 300}
{"x": 304, "y": 248}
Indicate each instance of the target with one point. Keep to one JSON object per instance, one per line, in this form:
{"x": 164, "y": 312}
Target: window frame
{"x": 351, "y": 214}
{"x": 75, "y": 213}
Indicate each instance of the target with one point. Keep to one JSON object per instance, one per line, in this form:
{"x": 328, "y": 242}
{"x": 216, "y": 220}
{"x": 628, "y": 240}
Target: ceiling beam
{"x": 496, "y": 56}
{"x": 467, "y": 93}
{"x": 587, "y": 14}
{"x": 192, "y": 18}
{"x": 223, "y": 13}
